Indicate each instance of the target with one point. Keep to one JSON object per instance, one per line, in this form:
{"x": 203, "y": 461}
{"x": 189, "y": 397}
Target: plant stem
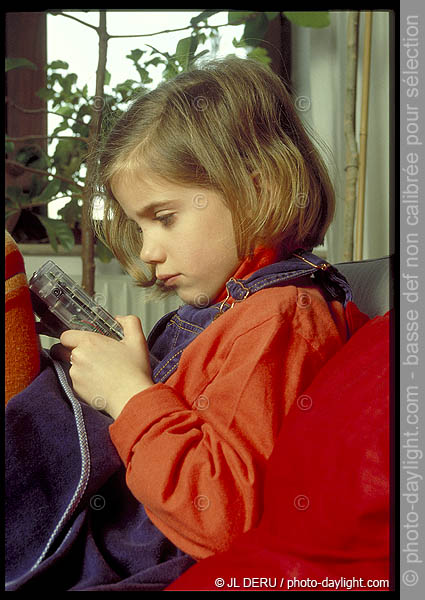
{"x": 59, "y": 12}
{"x": 87, "y": 237}
{"x": 136, "y": 35}
{"x": 14, "y": 163}
{"x": 358, "y": 254}
{"x": 27, "y": 138}
{"x": 351, "y": 168}
{"x": 46, "y": 202}
{"x": 41, "y": 110}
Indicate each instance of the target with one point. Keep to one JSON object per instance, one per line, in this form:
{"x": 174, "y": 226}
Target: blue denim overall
{"x": 175, "y": 330}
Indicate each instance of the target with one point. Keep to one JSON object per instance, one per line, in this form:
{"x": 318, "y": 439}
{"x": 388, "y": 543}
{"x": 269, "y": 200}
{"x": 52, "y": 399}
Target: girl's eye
{"x": 166, "y": 220}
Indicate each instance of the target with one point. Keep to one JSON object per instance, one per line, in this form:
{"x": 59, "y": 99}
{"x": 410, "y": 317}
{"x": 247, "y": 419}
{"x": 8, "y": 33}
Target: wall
{"x": 318, "y": 71}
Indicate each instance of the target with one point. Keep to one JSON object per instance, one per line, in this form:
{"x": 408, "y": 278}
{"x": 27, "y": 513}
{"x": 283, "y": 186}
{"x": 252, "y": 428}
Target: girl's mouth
{"x": 168, "y": 280}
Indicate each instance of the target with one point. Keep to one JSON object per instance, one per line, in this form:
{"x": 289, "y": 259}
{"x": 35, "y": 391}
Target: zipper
{"x": 85, "y": 465}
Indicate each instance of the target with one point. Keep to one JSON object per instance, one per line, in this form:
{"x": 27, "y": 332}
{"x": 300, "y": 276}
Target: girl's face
{"x": 187, "y": 235}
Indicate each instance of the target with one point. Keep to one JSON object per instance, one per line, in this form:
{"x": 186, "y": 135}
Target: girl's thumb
{"x": 131, "y": 325}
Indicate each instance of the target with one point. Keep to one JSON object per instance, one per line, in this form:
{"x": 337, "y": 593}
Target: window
{"x": 76, "y": 44}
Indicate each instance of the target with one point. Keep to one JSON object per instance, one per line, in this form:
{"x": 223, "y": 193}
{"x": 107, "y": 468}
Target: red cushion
{"x": 22, "y": 356}
{"x": 326, "y": 518}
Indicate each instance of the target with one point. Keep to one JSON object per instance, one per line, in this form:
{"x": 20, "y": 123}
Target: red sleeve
{"x": 198, "y": 468}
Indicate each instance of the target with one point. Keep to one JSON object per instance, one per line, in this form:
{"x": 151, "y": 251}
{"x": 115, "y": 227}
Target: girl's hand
{"x": 106, "y": 373}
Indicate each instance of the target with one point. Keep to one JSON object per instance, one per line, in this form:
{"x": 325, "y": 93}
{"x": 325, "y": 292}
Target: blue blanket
{"x": 71, "y": 522}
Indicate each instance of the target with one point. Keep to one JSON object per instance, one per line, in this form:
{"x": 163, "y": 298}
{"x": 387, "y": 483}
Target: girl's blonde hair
{"x": 229, "y": 125}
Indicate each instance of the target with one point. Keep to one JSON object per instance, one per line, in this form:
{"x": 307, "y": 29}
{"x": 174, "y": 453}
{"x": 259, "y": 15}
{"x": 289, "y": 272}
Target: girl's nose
{"x": 152, "y": 252}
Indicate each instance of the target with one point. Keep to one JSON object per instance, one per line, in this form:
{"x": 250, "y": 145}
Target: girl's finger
{"x": 60, "y": 353}
{"x": 131, "y": 324}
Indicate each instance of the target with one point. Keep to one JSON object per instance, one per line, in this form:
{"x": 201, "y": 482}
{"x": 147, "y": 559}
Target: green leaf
{"x": 170, "y": 71}
{"x": 58, "y": 232}
{"x": 81, "y": 129}
{"x": 155, "y": 61}
{"x": 203, "y": 16}
{"x": 238, "y": 43}
{"x": 165, "y": 54}
{"x": 32, "y": 156}
{"x": 68, "y": 81}
{"x": 36, "y": 187}
{"x": 73, "y": 188}
{"x": 58, "y": 64}
{"x": 260, "y": 55}
{"x": 9, "y": 212}
{"x": 46, "y": 94}
{"x": 15, "y": 196}
{"x": 183, "y": 51}
{"x": 84, "y": 111}
{"x": 107, "y": 77}
{"x": 312, "y": 18}
{"x": 63, "y": 152}
{"x": 202, "y": 53}
{"x": 145, "y": 78}
{"x": 9, "y": 147}
{"x": 62, "y": 127}
{"x": 255, "y": 30}
{"x": 135, "y": 55}
{"x": 65, "y": 111}
{"x": 237, "y": 17}
{"x": 125, "y": 86}
{"x": 71, "y": 212}
{"x": 50, "y": 191}
{"x": 17, "y": 63}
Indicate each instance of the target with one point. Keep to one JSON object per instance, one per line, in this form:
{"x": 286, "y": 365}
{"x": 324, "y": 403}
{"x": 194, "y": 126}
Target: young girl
{"x": 213, "y": 191}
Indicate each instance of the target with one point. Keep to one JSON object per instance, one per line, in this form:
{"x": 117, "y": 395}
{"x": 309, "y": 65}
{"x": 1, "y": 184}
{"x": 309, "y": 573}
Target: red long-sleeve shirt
{"x": 195, "y": 448}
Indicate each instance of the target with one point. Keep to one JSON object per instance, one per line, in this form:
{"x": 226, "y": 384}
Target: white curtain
{"x": 318, "y": 74}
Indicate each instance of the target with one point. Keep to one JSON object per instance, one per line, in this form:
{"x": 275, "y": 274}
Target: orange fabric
{"x": 196, "y": 447}
{"x": 22, "y": 356}
{"x": 327, "y": 514}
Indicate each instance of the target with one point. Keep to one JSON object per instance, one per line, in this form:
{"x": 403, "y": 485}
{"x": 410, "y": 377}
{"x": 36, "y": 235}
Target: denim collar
{"x": 173, "y": 332}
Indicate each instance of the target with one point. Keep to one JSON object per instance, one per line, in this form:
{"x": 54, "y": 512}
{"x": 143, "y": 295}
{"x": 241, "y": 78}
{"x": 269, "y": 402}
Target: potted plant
{"x": 69, "y": 168}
